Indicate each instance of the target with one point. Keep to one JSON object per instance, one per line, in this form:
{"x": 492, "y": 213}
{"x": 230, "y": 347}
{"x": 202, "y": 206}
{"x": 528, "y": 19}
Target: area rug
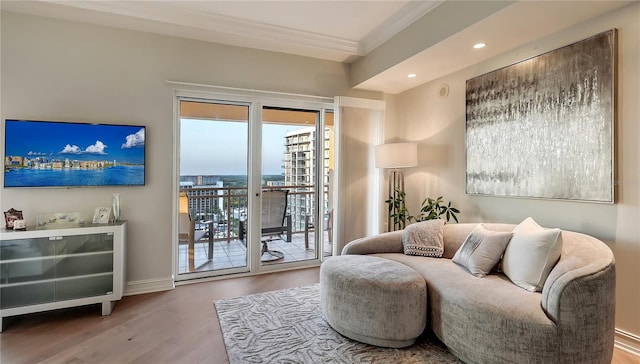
{"x": 287, "y": 326}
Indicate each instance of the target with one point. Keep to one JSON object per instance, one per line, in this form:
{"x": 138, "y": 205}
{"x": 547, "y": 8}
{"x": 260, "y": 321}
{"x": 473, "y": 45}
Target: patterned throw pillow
{"x": 425, "y": 238}
{"x": 482, "y": 250}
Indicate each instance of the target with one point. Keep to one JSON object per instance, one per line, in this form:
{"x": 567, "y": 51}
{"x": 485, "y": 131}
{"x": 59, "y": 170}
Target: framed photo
{"x": 11, "y": 216}
{"x": 102, "y": 214}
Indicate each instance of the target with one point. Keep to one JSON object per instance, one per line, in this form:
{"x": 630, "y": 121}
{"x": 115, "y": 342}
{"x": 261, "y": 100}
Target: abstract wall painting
{"x": 544, "y": 127}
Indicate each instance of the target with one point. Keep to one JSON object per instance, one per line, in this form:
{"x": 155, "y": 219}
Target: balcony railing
{"x": 227, "y": 206}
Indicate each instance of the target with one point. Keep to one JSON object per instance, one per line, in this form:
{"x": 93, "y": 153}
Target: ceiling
{"x": 336, "y": 30}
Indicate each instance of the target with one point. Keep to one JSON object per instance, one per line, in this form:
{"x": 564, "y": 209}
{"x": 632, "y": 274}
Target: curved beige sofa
{"x": 491, "y": 320}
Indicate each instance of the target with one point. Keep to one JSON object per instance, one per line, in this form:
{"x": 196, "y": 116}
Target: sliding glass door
{"x": 296, "y": 158}
{"x": 214, "y": 138}
{"x": 254, "y": 184}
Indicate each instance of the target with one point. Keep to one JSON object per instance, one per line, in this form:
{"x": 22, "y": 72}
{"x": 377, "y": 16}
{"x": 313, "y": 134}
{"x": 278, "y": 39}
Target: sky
{"x": 76, "y": 141}
{"x": 220, "y": 148}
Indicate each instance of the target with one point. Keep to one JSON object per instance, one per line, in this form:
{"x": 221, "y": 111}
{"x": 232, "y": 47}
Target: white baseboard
{"x": 628, "y": 342}
{"x": 149, "y": 286}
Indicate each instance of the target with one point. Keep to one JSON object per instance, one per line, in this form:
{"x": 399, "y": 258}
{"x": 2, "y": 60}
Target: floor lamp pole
{"x": 395, "y": 157}
{"x": 396, "y": 184}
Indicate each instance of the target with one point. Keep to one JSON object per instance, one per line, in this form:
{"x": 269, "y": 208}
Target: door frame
{"x": 256, "y": 100}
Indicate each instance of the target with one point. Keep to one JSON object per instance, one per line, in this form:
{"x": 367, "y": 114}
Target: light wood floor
{"x": 178, "y": 326}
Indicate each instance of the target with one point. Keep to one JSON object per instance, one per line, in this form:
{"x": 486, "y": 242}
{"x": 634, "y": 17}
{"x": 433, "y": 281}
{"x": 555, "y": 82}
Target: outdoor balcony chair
{"x": 189, "y": 233}
{"x": 275, "y": 222}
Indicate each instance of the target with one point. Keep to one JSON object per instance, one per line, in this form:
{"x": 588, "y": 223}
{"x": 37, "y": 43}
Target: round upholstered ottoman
{"x": 373, "y": 300}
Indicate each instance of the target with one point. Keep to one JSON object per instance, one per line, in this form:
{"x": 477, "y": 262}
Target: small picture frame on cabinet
{"x": 102, "y": 214}
{"x": 10, "y": 216}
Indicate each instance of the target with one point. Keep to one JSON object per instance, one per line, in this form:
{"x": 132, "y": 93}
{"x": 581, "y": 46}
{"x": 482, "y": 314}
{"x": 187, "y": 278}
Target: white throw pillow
{"x": 531, "y": 254}
{"x": 482, "y": 250}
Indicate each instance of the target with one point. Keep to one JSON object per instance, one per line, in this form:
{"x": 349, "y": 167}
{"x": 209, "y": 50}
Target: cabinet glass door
{"x": 49, "y": 269}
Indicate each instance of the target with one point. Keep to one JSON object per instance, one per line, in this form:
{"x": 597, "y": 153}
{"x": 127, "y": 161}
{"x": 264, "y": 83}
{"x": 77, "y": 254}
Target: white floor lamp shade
{"x": 395, "y": 157}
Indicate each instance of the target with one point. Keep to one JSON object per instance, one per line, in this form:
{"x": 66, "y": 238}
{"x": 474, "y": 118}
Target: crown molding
{"x": 411, "y": 12}
{"x": 179, "y": 19}
{"x": 173, "y": 13}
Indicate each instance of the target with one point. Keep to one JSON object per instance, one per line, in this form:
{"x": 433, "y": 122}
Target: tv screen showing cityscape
{"x": 65, "y": 154}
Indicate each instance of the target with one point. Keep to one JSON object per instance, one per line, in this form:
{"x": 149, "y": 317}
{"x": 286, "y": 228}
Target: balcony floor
{"x": 232, "y": 254}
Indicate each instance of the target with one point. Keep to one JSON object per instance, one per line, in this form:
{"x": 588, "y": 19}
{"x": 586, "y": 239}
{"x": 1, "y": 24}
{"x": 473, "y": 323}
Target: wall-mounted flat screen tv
{"x": 65, "y": 154}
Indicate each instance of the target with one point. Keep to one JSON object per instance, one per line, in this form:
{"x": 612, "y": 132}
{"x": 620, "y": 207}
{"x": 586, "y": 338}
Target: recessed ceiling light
{"x": 479, "y": 45}
{"x": 411, "y": 75}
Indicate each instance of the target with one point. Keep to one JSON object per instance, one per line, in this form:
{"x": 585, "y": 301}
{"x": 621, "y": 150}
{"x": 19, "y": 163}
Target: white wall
{"x": 438, "y": 124}
{"x": 66, "y": 71}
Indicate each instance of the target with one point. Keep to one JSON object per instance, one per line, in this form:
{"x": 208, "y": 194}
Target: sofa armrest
{"x": 579, "y": 296}
{"x": 390, "y": 242}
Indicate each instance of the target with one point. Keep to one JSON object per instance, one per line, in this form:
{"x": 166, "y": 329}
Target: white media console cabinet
{"x": 51, "y": 268}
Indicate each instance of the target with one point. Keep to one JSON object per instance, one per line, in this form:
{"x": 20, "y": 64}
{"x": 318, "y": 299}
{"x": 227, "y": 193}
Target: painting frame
{"x": 544, "y": 127}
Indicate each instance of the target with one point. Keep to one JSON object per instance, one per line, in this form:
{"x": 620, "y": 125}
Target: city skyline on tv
{"x": 61, "y": 140}
{"x": 89, "y": 154}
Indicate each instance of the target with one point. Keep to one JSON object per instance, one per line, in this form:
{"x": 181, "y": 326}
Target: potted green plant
{"x": 430, "y": 209}
{"x": 436, "y": 209}
{"x": 398, "y": 210}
